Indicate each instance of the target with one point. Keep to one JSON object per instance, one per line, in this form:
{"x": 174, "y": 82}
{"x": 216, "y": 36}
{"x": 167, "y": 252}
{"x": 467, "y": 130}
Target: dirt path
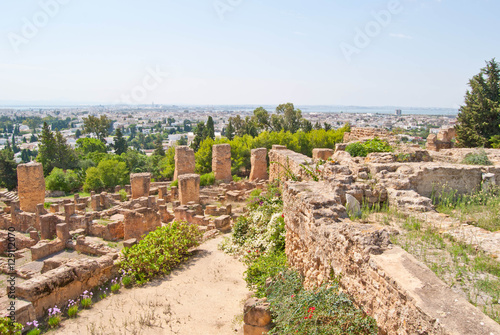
{"x": 205, "y": 296}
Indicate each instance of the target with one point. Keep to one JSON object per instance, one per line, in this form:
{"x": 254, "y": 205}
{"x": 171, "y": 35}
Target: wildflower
{"x": 293, "y": 295}
{"x": 283, "y": 215}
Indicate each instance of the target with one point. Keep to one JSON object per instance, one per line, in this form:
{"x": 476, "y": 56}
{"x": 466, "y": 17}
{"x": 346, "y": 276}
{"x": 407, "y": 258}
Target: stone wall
{"x": 139, "y": 222}
{"x": 403, "y": 295}
{"x": 441, "y": 140}
{"x": 363, "y": 133}
{"x": 283, "y": 163}
{"x": 184, "y": 161}
{"x": 221, "y": 162}
{"x": 66, "y": 282}
{"x": 30, "y": 186}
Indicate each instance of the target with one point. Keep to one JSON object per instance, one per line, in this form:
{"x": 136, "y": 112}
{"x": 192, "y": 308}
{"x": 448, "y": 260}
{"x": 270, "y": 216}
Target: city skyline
{"x": 418, "y": 53}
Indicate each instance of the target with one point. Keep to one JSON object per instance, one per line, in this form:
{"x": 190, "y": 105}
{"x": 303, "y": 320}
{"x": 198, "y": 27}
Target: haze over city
{"x": 418, "y": 53}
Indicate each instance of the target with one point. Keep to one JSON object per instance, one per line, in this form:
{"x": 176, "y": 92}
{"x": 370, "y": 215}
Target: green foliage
{"x": 236, "y": 178}
{"x": 123, "y": 195}
{"x": 120, "y": 143}
{"x": 207, "y": 179}
{"x": 127, "y": 281}
{"x": 106, "y": 175}
{"x": 262, "y": 228}
{"x": 160, "y": 251}
{"x": 7, "y": 326}
{"x": 54, "y": 321}
{"x": 54, "y": 151}
{"x": 166, "y": 166}
{"x": 479, "y": 157}
{"x": 99, "y": 127}
{"x": 87, "y": 145}
{"x": 73, "y": 311}
{"x": 86, "y": 302}
{"x": 35, "y": 331}
{"x": 358, "y": 149}
{"x": 58, "y": 180}
{"x": 479, "y": 117}
{"x": 323, "y": 311}
{"x": 263, "y": 267}
{"x": 175, "y": 183}
{"x": 8, "y": 169}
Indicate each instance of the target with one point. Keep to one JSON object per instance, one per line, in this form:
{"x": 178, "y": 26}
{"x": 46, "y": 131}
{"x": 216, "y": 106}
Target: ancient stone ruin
{"x": 140, "y": 184}
{"x": 221, "y": 162}
{"x": 31, "y": 186}
{"x": 258, "y": 160}
{"x": 184, "y": 161}
{"x": 443, "y": 139}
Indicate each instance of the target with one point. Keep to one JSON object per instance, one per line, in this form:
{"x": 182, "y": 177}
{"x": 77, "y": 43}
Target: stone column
{"x": 184, "y": 161}
{"x": 140, "y": 184}
{"x": 259, "y": 164}
{"x": 30, "y": 186}
{"x": 189, "y": 188}
{"x": 221, "y": 162}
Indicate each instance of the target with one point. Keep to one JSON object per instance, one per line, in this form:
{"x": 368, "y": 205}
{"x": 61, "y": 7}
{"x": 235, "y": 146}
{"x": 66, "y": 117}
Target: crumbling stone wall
{"x": 443, "y": 139}
{"x": 139, "y": 222}
{"x": 221, "y": 162}
{"x": 184, "y": 161}
{"x": 403, "y": 295}
{"x": 140, "y": 184}
{"x": 363, "y": 133}
{"x": 30, "y": 186}
{"x": 66, "y": 282}
{"x": 284, "y": 162}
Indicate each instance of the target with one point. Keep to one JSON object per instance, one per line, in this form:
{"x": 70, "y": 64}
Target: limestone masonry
{"x": 31, "y": 186}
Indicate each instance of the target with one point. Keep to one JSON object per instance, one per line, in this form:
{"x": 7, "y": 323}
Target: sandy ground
{"x": 204, "y": 296}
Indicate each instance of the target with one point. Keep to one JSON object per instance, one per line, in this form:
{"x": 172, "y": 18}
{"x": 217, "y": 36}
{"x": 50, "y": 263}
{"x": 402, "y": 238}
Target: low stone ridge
{"x": 402, "y": 294}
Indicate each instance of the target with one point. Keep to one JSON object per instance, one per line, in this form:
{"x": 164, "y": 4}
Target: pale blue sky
{"x": 258, "y": 52}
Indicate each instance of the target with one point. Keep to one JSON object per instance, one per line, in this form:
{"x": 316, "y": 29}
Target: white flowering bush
{"x": 262, "y": 229}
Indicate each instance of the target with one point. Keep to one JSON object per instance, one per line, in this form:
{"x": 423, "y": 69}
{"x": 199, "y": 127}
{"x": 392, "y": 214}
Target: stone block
{"x": 62, "y": 231}
{"x": 140, "y": 184}
{"x": 322, "y": 154}
{"x": 31, "y": 186}
{"x": 189, "y": 188}
{"x": 130, "y": 242}
{"x": 257, "y": 313}
{"x": 258, "y": 160}
{"x": 254, "y": 330}
{"x": 221, "y": 162}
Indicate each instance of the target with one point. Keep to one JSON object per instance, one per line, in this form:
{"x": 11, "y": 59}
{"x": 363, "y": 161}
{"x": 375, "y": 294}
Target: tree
{"x": 8, "y": 169}
{"x": 199, "y": 136}
{"x": 46, "y": 149}
{"x": 87, "y": 145}
{"x": 183, "y": 140}
{"x": 64, "y": 155}
{"x": 261, "y": 118}
{"x": 210, "y": 130}
{"x": 479, "y": 117}
{"x": 159, "y": 151}
{"x": 120, "y": 143}
{"x": 230, "y": 130}
{"x": 78, "y": 133}
{"x": 98, "y": 126}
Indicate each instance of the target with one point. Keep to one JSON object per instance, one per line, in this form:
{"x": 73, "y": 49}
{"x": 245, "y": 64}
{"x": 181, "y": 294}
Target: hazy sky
{"x": 404, "y": 53}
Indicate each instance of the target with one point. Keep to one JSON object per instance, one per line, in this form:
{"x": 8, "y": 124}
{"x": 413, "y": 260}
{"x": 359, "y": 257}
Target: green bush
{"x": 263, "y": 267}
{"x": 7, "y": 326}
{"x": 108, "y": 174}
{"x": 479, "y": 157}
{"x": 58, "y": 180}
{"x": 123, "y": 195}
{"x": 358, "y": 149}
{"x": 175, "y": 183}
{"x": 159, "y": 251}
{"x": 207, "y": 179}
{"x": 322, "y": 311}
